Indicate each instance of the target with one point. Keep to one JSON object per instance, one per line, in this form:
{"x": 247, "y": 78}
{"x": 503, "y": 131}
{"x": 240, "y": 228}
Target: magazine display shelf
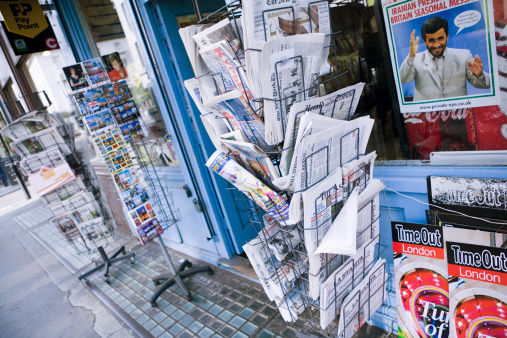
{"x": 292, "y": 273}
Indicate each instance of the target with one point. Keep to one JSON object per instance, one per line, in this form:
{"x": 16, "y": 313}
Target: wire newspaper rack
{"x": 281, "y": 247}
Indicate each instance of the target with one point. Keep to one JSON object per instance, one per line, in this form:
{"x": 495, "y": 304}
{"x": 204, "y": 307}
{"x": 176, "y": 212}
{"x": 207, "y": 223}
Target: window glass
{"x": 411, "y": 136}
{"x": 115, "y": 34}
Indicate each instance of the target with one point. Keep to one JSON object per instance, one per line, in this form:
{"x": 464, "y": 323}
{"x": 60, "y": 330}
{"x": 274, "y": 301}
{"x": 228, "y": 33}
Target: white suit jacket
{"x": 428, "y": 86}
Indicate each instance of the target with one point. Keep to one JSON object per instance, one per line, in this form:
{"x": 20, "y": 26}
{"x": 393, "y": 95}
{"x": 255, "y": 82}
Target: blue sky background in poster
{"x": 472, "y": 38}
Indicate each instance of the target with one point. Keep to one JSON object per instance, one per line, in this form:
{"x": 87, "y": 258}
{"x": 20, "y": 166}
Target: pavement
{"x": 40, "y": 297}
{"x": 39, "y": 271}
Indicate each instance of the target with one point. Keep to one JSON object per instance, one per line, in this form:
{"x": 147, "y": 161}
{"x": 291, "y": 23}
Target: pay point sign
{"x": 24, "y": 18}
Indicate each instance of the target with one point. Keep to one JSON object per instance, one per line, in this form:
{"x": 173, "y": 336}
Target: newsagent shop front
{"x": 353, "y": 152}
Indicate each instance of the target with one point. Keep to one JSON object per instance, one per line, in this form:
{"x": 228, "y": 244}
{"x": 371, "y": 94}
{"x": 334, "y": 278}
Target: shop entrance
{"x": 170, "y": 166}
{"x": 161, "y": 21}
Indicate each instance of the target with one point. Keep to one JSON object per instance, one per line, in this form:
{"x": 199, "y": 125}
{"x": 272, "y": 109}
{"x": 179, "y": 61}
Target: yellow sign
{"x": 23, "y": 17}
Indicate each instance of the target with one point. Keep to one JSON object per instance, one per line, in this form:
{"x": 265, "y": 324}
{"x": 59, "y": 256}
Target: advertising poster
{"x": 422, "y": 291}
{"x": 443, "y": 54}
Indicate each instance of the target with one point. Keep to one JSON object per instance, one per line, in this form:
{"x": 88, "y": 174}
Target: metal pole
{"x": 167, "y": 256}
{"x": 197, "y": 9}
{"x": 15, "y": 169}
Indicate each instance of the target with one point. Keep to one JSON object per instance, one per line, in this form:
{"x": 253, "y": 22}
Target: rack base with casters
{"x": 107, "y": 262}
{"x": 167, "y": 280}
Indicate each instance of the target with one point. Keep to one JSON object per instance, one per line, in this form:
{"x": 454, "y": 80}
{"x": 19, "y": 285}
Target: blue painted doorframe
{"x": 159, "y": 20}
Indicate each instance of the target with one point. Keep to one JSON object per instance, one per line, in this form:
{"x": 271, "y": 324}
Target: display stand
{"x": 176, "y": 276}
{"x": 107, "y": 262}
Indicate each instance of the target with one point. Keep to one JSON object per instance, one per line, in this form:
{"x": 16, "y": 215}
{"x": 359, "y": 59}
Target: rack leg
{"x": 176, "y": 276}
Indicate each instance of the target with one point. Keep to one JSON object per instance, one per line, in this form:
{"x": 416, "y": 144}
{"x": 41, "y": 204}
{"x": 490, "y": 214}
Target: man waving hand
{"x": 440, "y": 72}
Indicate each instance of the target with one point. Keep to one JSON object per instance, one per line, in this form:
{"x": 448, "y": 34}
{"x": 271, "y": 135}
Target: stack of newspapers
{"x": 293, "y": 149}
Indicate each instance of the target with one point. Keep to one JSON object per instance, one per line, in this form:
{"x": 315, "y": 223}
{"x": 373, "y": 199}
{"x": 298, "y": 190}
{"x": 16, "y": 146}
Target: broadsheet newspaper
{"x": 289, "y": 66}
{"x": 358, "y": 173}
{"x": 340, "y": 105}
{"x": 322, "y": 203}
{"x": 334, "y": 289}
{"x": 279, "y": 278}
{"x": 264, "y": 20}
{"x": 362, "y": 302}
{"x": 237, "y": 112}
{"x": 228, "y": 72}
{"x": 462, "y": 35}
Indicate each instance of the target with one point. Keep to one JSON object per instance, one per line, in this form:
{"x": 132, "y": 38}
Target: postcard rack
{"x": 163, "y": 200}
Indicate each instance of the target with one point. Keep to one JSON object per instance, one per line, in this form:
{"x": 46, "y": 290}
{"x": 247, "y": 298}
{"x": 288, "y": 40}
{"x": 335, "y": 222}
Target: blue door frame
{"x": 229, "y": 229}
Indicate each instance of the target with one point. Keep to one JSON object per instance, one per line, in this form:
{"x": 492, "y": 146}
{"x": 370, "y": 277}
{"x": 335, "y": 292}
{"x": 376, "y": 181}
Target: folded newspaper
{"x": 265, "y": 197}
{"x": 322, "y": 203}
{"x": 290, "y": 69}
{"x": 340, "y": 105}
{"x": 266, "y": 20}
{"x": 338, "y": 285}
{"x": 363, "y": 300}
{"x": 340, "y": 238}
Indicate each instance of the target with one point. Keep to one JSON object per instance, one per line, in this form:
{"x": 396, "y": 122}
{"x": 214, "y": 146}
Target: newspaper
{"x": 340, "y": 105}
{"x": 321, "y": 203}
{"x": 239, "y": 115}
{"x": 276, "y": 276}
{"x": 214, "y": 122}
{"x": 252, "y": 158}
{"x": 263, "y": 196}
{"x": 86, "y": 213}
{"x": 340, "y": 238}
{"x": 337, "y": 286}
{"x": 227, "y": 71}
{"x": 94, "y": 230}
{"x": 322, "y": 145}
{"x": 223, "y": 30}
{"x": 78, "y": 200}
{"x": 292, "y": 305}
{"x": 192, "y": 49}
{"x": 49, "y": 179}
{"x": 50, "y": 158}
{"x": 265, "y": 20}
{"x": 45, "y": 139}
{"x": 65, "y": 191}
{"x": 290, "y": 68}
{"x": 262, "y": 259}
{"x": 66, "y": 226}
{"x": 363, "y": 300}
{"x": 284, "y": 241}
{"x": 358, "y": 173}
{"x": 368, "y": 217}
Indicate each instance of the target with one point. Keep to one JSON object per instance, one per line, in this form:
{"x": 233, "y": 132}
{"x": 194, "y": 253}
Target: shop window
{"x": 410, "y": 136}
{"x": 111, "y": 28}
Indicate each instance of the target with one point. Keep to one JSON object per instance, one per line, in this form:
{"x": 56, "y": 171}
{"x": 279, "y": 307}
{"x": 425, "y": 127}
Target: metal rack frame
{"x": 291, "y": 274}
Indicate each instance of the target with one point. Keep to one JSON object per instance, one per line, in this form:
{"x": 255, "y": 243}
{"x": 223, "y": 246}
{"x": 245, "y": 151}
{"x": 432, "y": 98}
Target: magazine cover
{"x": 477, "y": 268}
{"x": 422, "y": 292}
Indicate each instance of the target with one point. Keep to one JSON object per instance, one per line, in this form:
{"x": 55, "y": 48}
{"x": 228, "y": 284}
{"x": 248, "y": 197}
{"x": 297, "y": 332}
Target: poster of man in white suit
{"x": 441, "y": 72}
{"x": 442, "y": 60}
